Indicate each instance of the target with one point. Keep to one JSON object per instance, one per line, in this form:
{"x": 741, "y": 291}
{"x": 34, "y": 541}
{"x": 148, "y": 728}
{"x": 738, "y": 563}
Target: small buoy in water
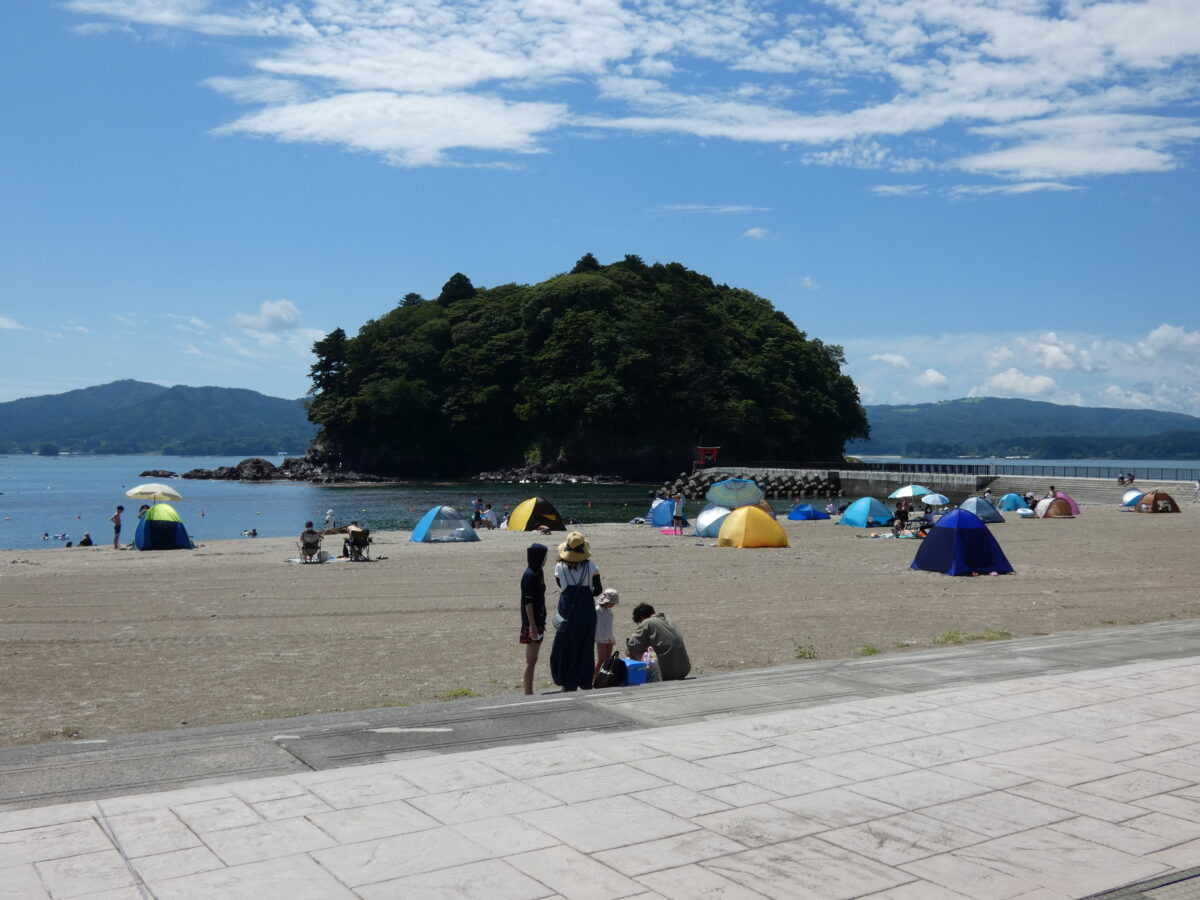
{"x": 201, "y": 512}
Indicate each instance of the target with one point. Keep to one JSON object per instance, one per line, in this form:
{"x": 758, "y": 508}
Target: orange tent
{"x": 1054, "y": 508}
{"x": 1156, "y": 501}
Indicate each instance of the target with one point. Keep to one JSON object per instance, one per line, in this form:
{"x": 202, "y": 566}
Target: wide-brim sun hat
{"x": 575, "y": 548}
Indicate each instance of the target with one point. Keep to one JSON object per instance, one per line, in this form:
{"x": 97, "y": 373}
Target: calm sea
{"x": 68, "y": 495}
{"x": 64, "y": 496}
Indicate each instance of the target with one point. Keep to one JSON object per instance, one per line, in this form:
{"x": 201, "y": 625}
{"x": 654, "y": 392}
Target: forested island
{"x": 622, "y": 368}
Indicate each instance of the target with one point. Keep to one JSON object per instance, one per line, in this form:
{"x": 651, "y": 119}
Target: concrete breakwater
{"x": 824, "y": 483}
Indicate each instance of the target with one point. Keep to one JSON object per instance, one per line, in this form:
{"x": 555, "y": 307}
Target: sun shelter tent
{"x": 805, "y": 512}
{"x": 960, "y": 544}
{"x": 709, "y": 519}
{"x": 982, "y": 509}
{"x": 1070, "y": 502}
{"x": 531, "y": 513}
{"x": 444, "y": 525}
{"x": 661, "y": 514}
{"x": 1156, "y": 502}
{"x": 734, "y": 492}
{"x": 749, "y": 526}
{"x": 865, "y": 512}
{"x": 1053, "y": 508}
{"x": 1131, "y": 497}
{"x": 161, "y": 529}
{"x": 1011, "y": 503}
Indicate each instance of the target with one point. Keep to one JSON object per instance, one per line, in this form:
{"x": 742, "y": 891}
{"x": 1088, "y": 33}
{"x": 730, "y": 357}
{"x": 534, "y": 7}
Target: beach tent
{"x": 1011, "y": 503}
{"x": 1156, "y": 502}
{"x": 1054, "y": 508}
{"x": 765, "y": 505}
{"x": 661, "y": 513}
{"x": 1131, "y": 497}
{"x": 960, "y": 544}
{"x": 982, "y": 509}
{"x": 749, "y": 526}
{"x": 1070, "y": 502}
{"x": 708, "y": 521}
{"x": 443, "y": 524}
{"x": 529, "y": 514}
{"x": 865, "y": 512}
{"x": 804, "y": 512}
{"x": 733, "y": 492}
{"x": 161, "y": 529}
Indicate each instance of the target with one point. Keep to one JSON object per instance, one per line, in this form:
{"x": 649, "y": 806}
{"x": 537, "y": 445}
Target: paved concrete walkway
{"x": 1046, "y": 786}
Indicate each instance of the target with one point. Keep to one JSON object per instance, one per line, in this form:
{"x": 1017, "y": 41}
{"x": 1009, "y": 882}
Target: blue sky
{"x": 973, "y": 197}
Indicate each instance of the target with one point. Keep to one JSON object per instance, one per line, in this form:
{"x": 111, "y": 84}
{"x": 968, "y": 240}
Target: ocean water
{"x": 68, "y": 495}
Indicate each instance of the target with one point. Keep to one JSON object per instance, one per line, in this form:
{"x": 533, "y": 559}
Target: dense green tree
{"x": 621, "y": 368}
{"x": 459, "y": 287}
{"x": 411, "y": 299}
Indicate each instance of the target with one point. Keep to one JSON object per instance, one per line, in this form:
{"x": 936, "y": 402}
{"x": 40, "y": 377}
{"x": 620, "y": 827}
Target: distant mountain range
{"x": 137, "y": 417}
{"x": 990, "y": 426}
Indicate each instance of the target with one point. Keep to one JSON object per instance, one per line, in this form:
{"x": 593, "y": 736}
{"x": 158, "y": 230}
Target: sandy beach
{"x": 96, "y": 642}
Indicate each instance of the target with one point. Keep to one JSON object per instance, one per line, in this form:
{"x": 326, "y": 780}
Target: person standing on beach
{"x": 329, "y": 519}
{"x": 533, "y": 610}
{"x": 115, "y": 518}
{"x": 677, "y": 513}
{"x": 572, "y": 657}
{"x": 605, "y": 638}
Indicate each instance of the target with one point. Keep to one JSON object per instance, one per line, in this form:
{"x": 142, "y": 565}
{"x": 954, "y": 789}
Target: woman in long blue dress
{"x": 572, "y": 658}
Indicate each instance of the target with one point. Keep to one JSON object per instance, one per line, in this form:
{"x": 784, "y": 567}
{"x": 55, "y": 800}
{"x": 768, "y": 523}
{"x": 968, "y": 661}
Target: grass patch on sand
{"x": 457, "y": 694}
{"x": 989, "y": 634}
{"x": 958, "y": 637}
{"x": 867, "y": 650}
{"x": 806, "y": 651}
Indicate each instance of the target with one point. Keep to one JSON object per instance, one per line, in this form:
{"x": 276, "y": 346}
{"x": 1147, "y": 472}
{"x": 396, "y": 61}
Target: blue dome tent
{"x": 161, "y": 529}
{"x": 805, "y": 512}
{"x": 865, "y": 512}
{"x": 443, "y": 525}
{"x": 959, "y": 543}
{"x": 981, "y": 508}
{"x": 661, "y": 514}
{"x": 1011, "y": 502}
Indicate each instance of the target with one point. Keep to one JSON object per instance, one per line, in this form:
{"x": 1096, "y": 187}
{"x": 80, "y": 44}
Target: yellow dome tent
{"x": 749, "y": 526}
{"x": 529, "y": 514}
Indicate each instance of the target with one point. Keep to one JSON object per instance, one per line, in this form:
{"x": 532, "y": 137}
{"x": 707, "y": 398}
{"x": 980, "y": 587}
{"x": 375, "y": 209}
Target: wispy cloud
{"x": 716, "y": 209}
{"x": 11, "y": 324}
{"x": 756, "y": 234}
{"x": 1022, "y": 91}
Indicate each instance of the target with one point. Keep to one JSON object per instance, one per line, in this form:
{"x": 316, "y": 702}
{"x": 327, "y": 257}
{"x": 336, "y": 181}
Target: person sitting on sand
{"x": 656, "y": 632}
{"x": 85, "y": 541}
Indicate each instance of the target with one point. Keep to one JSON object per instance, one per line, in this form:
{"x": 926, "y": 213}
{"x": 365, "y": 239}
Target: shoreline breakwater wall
{"x": 823, "y": 483}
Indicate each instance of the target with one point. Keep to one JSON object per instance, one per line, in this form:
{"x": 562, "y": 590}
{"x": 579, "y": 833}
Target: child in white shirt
{"x": 605, "y": 639}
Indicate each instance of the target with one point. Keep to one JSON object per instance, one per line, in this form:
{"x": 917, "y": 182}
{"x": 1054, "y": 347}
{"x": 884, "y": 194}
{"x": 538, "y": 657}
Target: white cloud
{"x": 11, "y": 324}
{"x": 1027, "y": 90}
{"x": 273, "y": 316}
{"x": 898, "y": 190}
{"x": 892, "y": 359}
{"x": 808, "y": 284}
{"x": 755, "y": 233}
{"x": 1025, "y": 187}
{"x": 719, "y": 209}
{"x": 932, "y": 378}
{"x": 1012, "y": 383}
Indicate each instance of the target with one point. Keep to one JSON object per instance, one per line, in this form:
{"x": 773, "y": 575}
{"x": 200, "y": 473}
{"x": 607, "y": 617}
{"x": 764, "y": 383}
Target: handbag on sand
{"x": 612, "y": 672}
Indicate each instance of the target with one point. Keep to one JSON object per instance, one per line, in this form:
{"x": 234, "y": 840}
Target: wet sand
{"x": 96, "y": 642}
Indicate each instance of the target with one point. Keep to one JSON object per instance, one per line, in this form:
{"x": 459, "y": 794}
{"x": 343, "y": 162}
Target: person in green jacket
{"x": 656, "y": 632}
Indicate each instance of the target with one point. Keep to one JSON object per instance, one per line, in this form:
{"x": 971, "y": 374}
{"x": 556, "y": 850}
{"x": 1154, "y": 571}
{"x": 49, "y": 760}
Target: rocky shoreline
{"x": 293, "y": 468}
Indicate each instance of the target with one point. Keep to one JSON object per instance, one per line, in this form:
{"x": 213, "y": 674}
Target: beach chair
{"x": 310, "y": 546}
{"x": 357, "y": 545}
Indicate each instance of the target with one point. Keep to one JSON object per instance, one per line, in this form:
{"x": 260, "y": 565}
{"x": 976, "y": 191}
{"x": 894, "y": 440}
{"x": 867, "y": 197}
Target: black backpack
{"x": 612, "y": 673}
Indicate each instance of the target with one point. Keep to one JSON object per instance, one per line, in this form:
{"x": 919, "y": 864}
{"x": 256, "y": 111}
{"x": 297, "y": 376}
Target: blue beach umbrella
{"x": 735, "y": 492}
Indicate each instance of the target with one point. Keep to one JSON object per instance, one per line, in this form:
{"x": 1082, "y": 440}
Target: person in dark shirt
{"x": 533, "y": 610}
